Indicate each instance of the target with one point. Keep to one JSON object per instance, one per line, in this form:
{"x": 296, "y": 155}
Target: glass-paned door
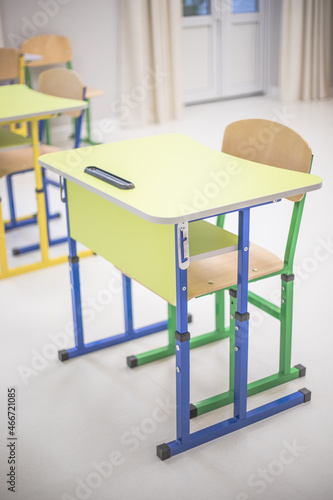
{"x": 244, "y": 6}
{"x": 196, "y": 7}
{"x": 200, "y": 50}
{"x": 224, "y": 48}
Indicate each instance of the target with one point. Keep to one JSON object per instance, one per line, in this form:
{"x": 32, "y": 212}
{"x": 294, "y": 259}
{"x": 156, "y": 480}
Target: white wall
{"x": 2, "y": 43}
{"x": 91, "y": 25}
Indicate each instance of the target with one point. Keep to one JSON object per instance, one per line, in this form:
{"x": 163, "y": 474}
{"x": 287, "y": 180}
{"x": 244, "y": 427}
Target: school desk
{"x": 140, "y": 223}
{"x": 19, "y": 104}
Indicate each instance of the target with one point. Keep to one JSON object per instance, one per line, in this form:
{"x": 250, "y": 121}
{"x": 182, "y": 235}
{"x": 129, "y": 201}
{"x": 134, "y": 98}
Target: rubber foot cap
{"x": 63, "y": 355}
{"x": 163, "y": 451}
{"x": 307, "y": 394}
{"x": 301, "y": 369}
{"x": 132, "y": 361}
{"x": 193, "y": 411}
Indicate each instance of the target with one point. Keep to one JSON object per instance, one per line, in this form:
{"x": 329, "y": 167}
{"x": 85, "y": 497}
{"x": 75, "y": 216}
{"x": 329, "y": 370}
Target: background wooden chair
{"x": 12, "y": 71}
{"x": 59, "y": 82}
{"x": 56, "y": 49}
{"x": 11, "y": 65}
{"x": 282, "y": 148}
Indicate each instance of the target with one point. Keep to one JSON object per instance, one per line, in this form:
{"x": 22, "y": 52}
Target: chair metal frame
{"x": 283, "y": 313}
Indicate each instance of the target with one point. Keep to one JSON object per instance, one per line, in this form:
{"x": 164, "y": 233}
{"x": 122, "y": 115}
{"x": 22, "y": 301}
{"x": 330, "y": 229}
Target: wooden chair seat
{"x": 220, "y": 272}
{"x": 92, "y": 92}
{"x": 18, "y": 160}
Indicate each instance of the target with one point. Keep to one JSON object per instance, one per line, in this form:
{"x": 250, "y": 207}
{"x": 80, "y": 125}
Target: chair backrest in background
{"x": 54, "y": 49}
{"x": 61, "y": 82}
{"x": 9, "y": 63}
{"x": 270, "y": 143}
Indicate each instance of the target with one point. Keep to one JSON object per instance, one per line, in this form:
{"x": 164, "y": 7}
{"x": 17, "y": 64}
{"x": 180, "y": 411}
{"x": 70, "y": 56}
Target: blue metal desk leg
{"x": 182, "y": 355}
{"x": 13, "y": 222}
{"x": 242, "y": 417}
{"x": 242, "y": 317}
{"x": 75, "y": 290}
{"x": 164, "y": 450}
{"x": 130, "y": 333}
{"x": 128, "y": 308}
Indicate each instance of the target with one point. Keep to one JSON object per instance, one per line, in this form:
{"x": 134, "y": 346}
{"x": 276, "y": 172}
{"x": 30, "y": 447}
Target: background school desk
{"x": 19, "y": 104}
{"x": 144, "y": 232}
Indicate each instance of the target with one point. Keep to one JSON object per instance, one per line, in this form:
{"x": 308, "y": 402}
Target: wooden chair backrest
{"x": 54, "y": 49}
{"x": 270, "y": 143}
{"x": 62, "y": 82}
{"x": 9, "y": 63}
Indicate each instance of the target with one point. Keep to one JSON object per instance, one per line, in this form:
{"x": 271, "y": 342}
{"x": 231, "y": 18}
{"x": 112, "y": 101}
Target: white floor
{"x": 88, "y": 428}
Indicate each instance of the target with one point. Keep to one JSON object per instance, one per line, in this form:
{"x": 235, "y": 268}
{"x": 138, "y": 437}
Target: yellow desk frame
{"x": 22, "y": 105}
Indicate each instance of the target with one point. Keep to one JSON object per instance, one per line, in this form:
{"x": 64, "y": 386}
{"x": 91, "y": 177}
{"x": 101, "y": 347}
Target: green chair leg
{"x": 286, "y": 372}
{"x": 88, "y": 139}
{"x": 219, "y": 333}
{"x": 47, "y": 133}
{"x": 233, "y": 309}
{"x": 227, "y": 397}
{"x": 160, "y": 352}
{"x": 287, "y": 291}
{"x": 28, "y": 79}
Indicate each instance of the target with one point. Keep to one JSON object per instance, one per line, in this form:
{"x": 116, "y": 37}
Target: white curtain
{"x": 150, "y": 62}
{"x": 1, "y": 33}
{"x": 306, "y": 49}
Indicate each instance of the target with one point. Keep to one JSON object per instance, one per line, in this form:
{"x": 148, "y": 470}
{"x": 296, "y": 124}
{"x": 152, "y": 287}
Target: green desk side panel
{"x": 140, "y": 249}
